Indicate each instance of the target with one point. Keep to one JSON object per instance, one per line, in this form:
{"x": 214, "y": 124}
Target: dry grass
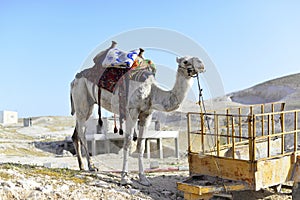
{"x": 34, "y": 171}
{"x": 6, "y": 176}
{"x": 11, "y": 133}
{"x": 22, "y": 151}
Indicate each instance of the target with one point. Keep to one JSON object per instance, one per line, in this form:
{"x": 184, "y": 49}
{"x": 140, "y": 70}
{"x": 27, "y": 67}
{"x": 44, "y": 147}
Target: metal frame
{"x": 242, "y": 131}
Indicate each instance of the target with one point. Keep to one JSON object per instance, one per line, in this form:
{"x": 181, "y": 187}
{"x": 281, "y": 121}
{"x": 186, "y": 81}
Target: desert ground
{"x": 36, "y": 165}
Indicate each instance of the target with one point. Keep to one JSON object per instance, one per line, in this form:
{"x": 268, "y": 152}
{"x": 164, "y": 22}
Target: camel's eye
{"x": 185, "y": 62}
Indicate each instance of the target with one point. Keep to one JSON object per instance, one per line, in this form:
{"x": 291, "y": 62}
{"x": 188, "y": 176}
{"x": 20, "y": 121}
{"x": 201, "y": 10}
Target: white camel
{"x": 143, "y": 99}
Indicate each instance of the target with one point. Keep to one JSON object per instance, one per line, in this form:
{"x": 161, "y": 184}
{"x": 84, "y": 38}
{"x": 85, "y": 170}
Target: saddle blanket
{"x": 112, "y": 75}
{"x": 119, "y": 58}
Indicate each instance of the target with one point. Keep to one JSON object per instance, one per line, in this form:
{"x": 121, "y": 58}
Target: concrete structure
{"x": 27, "y": 122}
{"x": 8, "y": 117}
{"x": 96, "y": 140}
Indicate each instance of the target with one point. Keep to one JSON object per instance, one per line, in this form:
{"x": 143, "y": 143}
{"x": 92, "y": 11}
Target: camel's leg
{"x": 130, "y": 122}
{"x": 80, "y": 127}
{"x": 88, "y": 157}
{"x": 145, "y": 120}
{"x": 77, "y": 145}
{"x": 83, "y": 106}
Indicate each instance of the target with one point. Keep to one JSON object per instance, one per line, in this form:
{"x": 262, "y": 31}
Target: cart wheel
{"x": 296, "y": 191}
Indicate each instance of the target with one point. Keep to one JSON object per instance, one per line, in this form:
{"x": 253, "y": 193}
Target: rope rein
{"x": 202, "y": 108}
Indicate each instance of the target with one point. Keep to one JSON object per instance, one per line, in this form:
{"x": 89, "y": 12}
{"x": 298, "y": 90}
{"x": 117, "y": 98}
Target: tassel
{"x": 100, "y": 122}
{"x": 134, "y": 136}
{"x": 121, "y": 131}
{"x": 115, "y": 129}
{"x": 115, "y": 123}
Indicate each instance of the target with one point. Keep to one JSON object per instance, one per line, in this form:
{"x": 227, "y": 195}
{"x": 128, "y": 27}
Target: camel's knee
{"x": 140, "y": 145}
{"x": 127, "y": 141}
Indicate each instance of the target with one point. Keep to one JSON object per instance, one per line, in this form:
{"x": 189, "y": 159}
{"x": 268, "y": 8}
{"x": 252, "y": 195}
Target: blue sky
{"x": 44, "y": 43}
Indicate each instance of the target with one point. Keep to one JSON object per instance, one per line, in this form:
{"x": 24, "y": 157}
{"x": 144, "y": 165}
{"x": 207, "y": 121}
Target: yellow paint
{"x": 258, "y": 158}
{"x": 240, "y": 170}
{"x": 273, "y": 172}
{"x": 203, "y": 192}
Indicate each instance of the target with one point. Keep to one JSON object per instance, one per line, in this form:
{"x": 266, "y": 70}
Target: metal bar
{"x": 202, "y": 132}
{"x": 282, "y": 106}
{"x": 240, "y": 124}
{"x": 259, "y": 138}
{"x": 233, "y": 139}
{"x": 282, "y": 136}
{"x": 262, "y": 119}
{"x": 269, "y": 139}
{"x": 276, "y": 156}
{"x": 272, "y": 119}
{"x": 281, "y": 119}
{"x": 217, "y": 134}
{"x": 221, "y": 135}
{"x": 236, "y": 115}
{"x": 296, "y": 132}
{"x": 189, "y": 131}
{"x": 250, "y": 138}
{"x": 227, "y": 123}
{"x": 254, "y": 137}
{"x": 220, "y": 114}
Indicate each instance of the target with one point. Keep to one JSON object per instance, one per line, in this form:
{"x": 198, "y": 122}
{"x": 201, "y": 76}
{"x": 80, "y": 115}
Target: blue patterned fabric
{"x": 120, "y": 59}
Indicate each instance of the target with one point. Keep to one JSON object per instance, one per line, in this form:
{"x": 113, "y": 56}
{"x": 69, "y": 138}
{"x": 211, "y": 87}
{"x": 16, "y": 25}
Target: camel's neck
{"x": 170, "y": 100}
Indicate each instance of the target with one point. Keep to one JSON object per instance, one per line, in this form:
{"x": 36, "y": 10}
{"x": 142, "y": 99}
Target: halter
{"x": 189, "y": 70}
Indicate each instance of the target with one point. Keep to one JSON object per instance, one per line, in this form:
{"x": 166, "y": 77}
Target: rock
{"x": 133, "y": 191}
{"x": 7, "y": 184}
{"x": 154, "y": 165}
{"x": 166, "y": 192}
{"x": 35, "y": 195}
{"x": 100, "y": 183}
{"x": 47, "y": 189}
{"x": 48, "y": 164}
{"x": 66, "y": 153}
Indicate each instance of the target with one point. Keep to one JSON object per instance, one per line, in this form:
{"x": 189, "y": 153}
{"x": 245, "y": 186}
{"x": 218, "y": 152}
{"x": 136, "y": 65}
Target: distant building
{"x": 8, "y": 117}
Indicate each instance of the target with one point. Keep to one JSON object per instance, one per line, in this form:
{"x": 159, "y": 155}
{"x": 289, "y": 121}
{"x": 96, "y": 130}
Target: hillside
{"x": 286, "y": 89}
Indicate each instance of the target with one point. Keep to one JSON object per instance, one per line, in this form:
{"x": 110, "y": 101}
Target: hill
{"x": 285, "y": 89}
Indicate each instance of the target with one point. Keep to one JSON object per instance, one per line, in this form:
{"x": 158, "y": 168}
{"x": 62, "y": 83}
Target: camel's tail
{"x": 72, "y": 104}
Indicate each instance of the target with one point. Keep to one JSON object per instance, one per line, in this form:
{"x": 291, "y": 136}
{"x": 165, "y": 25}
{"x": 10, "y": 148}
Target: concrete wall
{"x": 8, "y": 117}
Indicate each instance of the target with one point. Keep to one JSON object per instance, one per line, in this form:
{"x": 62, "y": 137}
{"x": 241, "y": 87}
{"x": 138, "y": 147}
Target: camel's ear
{"x": 178, "y": 59}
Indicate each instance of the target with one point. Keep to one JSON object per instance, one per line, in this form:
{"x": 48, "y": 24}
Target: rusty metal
{"x": 247, "y": 148}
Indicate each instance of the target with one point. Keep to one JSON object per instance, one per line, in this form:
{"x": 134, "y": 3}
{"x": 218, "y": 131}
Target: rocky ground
{"x": 35, "y": 165}
{"x": 34, "y": 182}
{"x": 19, "y": 181}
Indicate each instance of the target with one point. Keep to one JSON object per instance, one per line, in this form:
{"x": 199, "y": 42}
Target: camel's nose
{"x": 202, "y": 69}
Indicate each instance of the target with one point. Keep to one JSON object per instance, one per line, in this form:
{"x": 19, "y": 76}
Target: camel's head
{"x": 190, "y": 66}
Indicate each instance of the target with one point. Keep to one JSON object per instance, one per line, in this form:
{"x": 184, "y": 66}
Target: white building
{"x": 8, "y": 117}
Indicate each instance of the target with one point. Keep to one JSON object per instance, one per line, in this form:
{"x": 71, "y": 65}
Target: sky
{"x": 44, "y": 43}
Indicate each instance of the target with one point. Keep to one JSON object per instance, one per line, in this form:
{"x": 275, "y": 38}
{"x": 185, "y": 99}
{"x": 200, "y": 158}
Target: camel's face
{"x": 190, "y": 66}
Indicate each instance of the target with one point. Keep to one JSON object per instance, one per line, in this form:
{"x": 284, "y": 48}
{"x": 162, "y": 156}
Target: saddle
{"x": 113, "y": 75}
{"x": 108, "y": 77}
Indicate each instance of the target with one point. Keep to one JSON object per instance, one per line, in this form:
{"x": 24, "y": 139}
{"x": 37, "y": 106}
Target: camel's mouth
{"x": 191, "y": 72}
{"x": 190, "y": 66}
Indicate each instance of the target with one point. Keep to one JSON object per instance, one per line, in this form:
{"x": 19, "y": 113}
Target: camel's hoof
{"x": 121, "y": 131}
{"x": 93, "y": 169}
{"x": 125, "y": 180}
{"x": 144, "y": 180}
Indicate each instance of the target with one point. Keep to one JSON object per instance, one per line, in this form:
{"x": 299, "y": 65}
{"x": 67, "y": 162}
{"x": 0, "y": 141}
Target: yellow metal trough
{"x": 246, "y": 148}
